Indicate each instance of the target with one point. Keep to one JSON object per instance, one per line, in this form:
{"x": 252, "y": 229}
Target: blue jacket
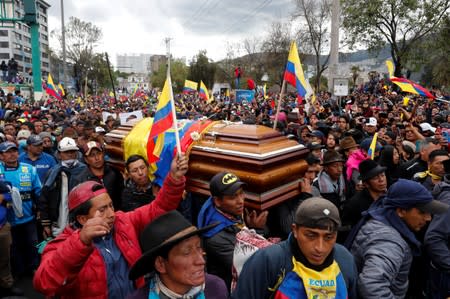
{"x": 263, "y": 269}
{"x": 42, "y": 164}
{"x": 4, "y": 190}
{"x": 25, "y": 178}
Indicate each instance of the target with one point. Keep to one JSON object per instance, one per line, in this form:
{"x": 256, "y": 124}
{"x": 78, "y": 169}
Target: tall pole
{"x": 63, "y": 35}
{"x": 172, "y": 101}
{"x": 110, "y": 76}
{"x": 334, "y": 46}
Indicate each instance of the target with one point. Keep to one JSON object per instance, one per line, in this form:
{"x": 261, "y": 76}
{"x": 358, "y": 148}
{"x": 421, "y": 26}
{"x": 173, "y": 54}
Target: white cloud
{"x": 140, "y": 26}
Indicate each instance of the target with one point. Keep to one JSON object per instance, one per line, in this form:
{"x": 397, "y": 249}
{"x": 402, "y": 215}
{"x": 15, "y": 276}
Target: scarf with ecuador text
{"x": 306, "y": 283}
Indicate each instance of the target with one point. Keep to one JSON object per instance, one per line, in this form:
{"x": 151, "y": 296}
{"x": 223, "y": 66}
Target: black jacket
{"x": 112, "y": 180}
{"x": 132, "y": 198}
{"x": 409, "y": 169}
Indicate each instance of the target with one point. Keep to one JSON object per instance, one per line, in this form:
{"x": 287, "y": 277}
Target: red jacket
{"x": 70, "y": 269}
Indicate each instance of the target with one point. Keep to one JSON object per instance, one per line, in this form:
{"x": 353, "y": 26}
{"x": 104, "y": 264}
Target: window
{"x": 18, "y": 36}
{"x": 18, "y": 26}
{"x": 4, "y": 56}
{"x": 4, "y": 45}
{"x": 27, "y": 59}
{"x": 18, "y": 57}
{"x": 44, "y": 64}
{"x": 27, "y": 39}
{"x": 44, "y": 55}
{"x": 3, "y": 32}
{"x": 17, "y": 46}
{"x": 27, "y": 49}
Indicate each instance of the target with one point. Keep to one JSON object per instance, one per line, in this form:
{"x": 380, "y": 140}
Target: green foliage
{"x": 178, "y": 72}
{"x": 437, "y": 54}
{"x": 202, "y": 69}
{"x": 81, "y": 40}
{"x": 400, "y": 23}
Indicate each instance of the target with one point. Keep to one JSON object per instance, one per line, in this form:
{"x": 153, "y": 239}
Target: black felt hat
{"x": 161, "y": 235}
{"x": 369, "y": 168}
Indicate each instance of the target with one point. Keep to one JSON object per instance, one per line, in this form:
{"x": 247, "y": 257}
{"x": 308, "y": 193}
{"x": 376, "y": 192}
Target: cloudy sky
{"x": 140, "y": 26}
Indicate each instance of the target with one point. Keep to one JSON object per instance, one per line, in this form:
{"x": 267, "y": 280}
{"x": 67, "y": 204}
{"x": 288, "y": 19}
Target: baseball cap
{"x": 23, "y": 134}
{"x": 6, "y": 146}
{"x": 371, "y": 122}
{"x": 34, "y": 140}
{"x": 84, "y": 192}
{"x": 312, "y": 211}
{"x": 225, "y": 183}
{"x": 87, "y": 148}
{"x": 67, "y": 144}
{"x": 45, "y": 135}
{"x": 99, "y": 130}
{"x": 427, "y": 127}
{"x": 316, "y": 133}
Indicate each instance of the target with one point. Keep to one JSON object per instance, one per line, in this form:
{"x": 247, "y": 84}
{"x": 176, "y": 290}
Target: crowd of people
{"x": 371, "y": 220}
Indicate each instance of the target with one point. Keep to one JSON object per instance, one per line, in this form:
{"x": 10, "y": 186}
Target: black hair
{"x": 324, "y": 223}
{"x": 437, "y": 153}
{"x": 134, "y": 158}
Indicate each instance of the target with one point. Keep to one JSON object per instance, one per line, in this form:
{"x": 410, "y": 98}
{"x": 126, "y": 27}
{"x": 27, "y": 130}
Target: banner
{"x": 244, "y": 94}
{"x": 127, "y": 116}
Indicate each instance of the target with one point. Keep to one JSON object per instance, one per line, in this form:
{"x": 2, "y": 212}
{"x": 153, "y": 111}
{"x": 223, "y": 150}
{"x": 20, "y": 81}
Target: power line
{"x": 249, "y": 15}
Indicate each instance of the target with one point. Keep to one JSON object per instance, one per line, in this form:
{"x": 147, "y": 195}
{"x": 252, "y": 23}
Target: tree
{"x": 201, "y": 69}
{"x": 400, "y": 23}
{"x": 276, "y": 48}
{"x": 437, "y": 53}
{"x": 81, "y": 40}
{"x": 314, "y": 36}
{"x": 178, "y": 71}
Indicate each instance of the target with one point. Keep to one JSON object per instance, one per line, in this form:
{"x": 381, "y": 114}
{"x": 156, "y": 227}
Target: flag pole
{"x": 172, "y": 101}
{"x": 282, "y": 92}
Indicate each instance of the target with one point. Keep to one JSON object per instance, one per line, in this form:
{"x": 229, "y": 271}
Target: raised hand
{"x": 253, "y": 220}
{"x": 93, "y": 228}
{"x": 179, "y": 166}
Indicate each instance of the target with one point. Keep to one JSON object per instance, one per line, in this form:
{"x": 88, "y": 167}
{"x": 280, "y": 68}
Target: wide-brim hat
{"x": 331, "y": 157}
{"x": 161, "y": 235}
{"x": 347, "y": 142}
{"x": 369, "y": 169}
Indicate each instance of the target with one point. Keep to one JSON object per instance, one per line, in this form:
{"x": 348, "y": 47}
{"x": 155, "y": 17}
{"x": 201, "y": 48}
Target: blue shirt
{"x": 25, "y": 178}
{"x": 42, "y": 164}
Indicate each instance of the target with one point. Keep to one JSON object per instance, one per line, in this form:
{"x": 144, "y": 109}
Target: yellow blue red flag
{"x": 51, "y": 88}
{"x": 203, "y": 92}
{"x": 190, "y": 86}
{"x": 373, "y": 146}
{"x": 162, "y": 121}
{"x": 61, "y": 90}
{"x": 294, "y": 72}
{"x": 407, "y": 85}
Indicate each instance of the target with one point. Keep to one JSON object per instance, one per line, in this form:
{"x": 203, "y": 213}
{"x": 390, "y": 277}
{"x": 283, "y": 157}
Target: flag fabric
{"x": 162, "y": 121}
{"x": 61, "y": 90}
{"x": 265, "y": 92}
{"x": 294, "y": 72}
{"x": 407, "y": 85}
{"x": 405, "y": 101}
{"x": 51, "y": 88}
{"x": 190, "y": 86}
{"x": 111, "y": 94}
{"x": 373, "y": 146}
{"x": 411, "y": 87}
{"x": 203, "y": 92}
{"x": 390, "y": 67}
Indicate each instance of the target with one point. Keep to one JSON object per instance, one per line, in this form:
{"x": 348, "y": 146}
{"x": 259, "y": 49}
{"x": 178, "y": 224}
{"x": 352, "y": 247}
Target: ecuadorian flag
{"x": 51, "y": 88}
{"x": 190, "y": 86}
{"x": 203, "y": 92}
{"x": 373, "y": 146}
{"x": 162, "y": 121}
{"x": 294, "y": 72}
{"x": 407, "y": 85}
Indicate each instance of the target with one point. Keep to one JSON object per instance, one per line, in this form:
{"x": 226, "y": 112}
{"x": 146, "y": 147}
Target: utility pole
{"x": 110, "y": 76}
{"x": 63, "y": 31}
{"x": 167, "y": 41}
{"x": 334, "y": 46}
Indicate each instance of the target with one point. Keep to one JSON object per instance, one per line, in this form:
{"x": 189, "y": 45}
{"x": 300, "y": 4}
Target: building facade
{"x": 15, "y": 39}
{"x": 134, "y": 63}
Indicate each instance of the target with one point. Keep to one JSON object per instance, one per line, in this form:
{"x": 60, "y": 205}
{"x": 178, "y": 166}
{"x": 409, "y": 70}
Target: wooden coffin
{"x": 267, "y": 161}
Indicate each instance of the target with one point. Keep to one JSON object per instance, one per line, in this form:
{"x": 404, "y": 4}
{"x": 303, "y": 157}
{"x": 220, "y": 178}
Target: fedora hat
{"x": 369, "y": 168}
{"x": 331, "y": 157}
{"x": 161, "y": 235}
{"x": 347, "y": 142}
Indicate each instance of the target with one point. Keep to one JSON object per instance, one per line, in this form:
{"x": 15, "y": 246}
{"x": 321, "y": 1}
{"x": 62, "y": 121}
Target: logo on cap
{"x": 229, "y": 178}
{"x": 326, "y": 212}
